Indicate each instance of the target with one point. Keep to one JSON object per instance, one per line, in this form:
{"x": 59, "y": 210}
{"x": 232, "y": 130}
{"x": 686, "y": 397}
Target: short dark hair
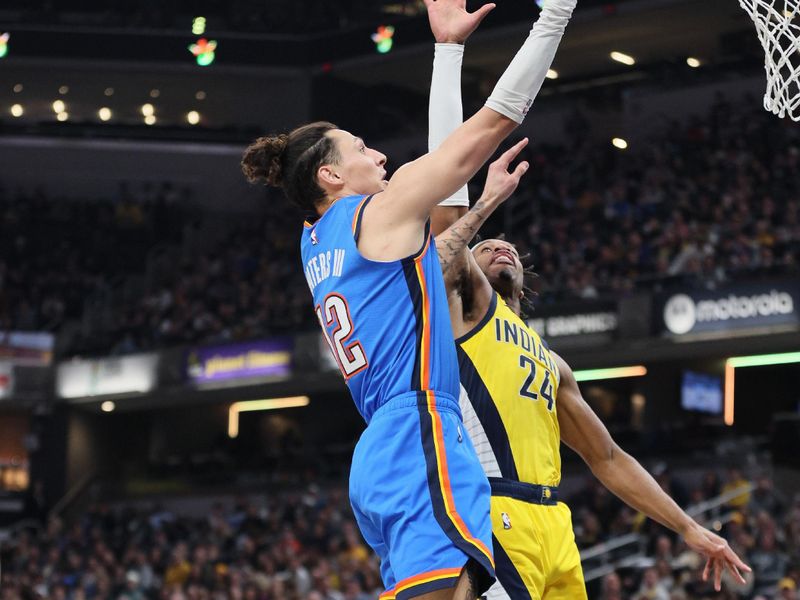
{"x": 290, "y": 162}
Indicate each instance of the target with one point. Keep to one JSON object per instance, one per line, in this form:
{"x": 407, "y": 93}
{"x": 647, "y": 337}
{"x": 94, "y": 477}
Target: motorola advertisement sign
{"x": 731, "y": 309}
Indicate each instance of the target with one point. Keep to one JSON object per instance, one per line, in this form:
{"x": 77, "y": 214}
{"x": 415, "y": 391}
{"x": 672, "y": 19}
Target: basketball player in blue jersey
{"x": 416, "y": 486}
{"x": 521, "y": 399}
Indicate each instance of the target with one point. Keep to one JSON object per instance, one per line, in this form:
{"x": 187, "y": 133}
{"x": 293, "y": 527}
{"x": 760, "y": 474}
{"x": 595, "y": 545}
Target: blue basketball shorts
{"x": 420, "y": 497}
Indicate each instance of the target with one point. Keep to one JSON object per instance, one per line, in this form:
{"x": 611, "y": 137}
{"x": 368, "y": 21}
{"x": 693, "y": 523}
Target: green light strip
{"x": 759, "y": 360}
{"x": 614, "y": 373}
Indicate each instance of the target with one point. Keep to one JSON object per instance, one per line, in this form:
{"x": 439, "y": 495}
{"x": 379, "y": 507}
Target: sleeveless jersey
{"x": 387, "y": 323}
{"x": 511, "y": 382}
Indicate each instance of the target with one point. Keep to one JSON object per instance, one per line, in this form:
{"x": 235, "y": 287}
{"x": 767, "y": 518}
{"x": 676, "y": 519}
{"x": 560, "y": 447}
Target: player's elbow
{"x": 603, "y": 458}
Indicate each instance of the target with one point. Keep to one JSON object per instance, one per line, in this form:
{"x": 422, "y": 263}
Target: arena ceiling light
{"x": 59, "y": 106}
{"x": 259, "y": 405}
{"x": 193, "y": 117}
{"x": 621, "y": 57}
{"x": 755, "y": 360}
{"x": 104, "y": 114}
{"x": 17, "y": 110}
{"x": 108, "y": 406}
{"x": 18, "y": 87}
{"x": 150, "y": 120}
{"x": 611, "y": 373}
{"x": 693, "y": 62}
{"x": 551, "y": 74}
{"x": 620, "y": 143}
{"x": 63, "y": 90}
{"x": 62, "y": 116}
{"x": 148, "y": 110}
{"x": 109, "y": 91}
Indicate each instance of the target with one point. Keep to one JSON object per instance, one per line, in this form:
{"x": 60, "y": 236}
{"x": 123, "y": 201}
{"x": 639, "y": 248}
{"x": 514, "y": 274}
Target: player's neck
{"x": 513, "y": 304}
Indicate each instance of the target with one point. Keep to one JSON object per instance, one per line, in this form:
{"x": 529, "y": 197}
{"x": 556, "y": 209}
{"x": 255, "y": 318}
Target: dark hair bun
{"x": 263, "y": 160}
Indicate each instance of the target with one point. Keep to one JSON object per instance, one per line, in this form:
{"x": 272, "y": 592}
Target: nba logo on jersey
{"x": 506, "y": 521}
{"x": 314, "y": 239}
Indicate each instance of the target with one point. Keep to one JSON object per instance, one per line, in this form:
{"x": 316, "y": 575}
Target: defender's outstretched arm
{"x": 622, "y": 474}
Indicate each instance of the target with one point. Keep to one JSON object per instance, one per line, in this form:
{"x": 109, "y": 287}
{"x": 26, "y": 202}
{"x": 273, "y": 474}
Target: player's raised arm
{"x": 583, "y": 431}
{"x": 420, "y": 185}
{"x": 452, "y": 244}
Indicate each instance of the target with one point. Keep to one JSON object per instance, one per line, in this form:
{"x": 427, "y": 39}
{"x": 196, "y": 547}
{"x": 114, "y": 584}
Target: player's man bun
{"x": 291, "y": 161}
{"x": 262, "y": 161}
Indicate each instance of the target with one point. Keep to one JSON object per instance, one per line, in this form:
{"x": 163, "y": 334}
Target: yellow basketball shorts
{"x": 535, "y": 552}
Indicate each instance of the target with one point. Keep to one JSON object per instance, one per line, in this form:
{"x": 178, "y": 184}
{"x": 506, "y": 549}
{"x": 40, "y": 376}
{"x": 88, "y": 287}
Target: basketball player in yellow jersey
{"x": 520, "y": 399}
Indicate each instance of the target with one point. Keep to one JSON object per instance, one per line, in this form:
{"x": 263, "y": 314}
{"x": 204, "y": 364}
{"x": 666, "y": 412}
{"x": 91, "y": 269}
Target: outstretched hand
{"x": 718, "y": 553}
{"x": 450, "y": 21}
{"x": 500, "y": 184}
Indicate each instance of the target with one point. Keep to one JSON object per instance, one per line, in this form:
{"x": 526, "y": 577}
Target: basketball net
{"x": 778, "y": 27}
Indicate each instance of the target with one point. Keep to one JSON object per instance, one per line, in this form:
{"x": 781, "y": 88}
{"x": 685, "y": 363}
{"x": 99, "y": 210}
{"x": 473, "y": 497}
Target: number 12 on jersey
{"x": 546, "y": 389}
{"x": 335, "y": 314}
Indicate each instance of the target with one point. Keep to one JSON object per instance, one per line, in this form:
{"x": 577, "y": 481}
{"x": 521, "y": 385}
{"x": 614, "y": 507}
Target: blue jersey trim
{"x": 486, "y": 318}
{"x": 488, "y": 415}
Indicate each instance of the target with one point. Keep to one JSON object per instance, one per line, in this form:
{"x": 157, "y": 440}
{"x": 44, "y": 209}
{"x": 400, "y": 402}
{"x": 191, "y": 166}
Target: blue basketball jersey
{"x": 387, "y": 323}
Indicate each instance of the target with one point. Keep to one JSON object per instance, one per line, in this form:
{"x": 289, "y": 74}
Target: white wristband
{"x": 445, "y": 113}
{"x": 517, "y": 88}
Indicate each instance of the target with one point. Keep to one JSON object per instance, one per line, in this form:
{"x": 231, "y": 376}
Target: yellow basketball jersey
{"x": 510, "y": 381}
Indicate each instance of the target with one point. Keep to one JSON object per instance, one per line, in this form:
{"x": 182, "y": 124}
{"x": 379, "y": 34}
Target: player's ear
{"x": 327, "y": 175}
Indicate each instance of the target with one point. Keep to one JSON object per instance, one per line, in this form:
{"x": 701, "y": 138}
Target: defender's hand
{"x": 719, "y": 555}
{"x": 450, "y": 21}
{"x": 500, "y": 184}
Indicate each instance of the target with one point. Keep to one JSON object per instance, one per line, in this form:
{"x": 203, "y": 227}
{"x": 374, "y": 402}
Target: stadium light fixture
{"x": 612, "y": 373}
{"x": 754, "y": 360}
{"x": 148, "y": 110}
{"x": 63, "y": 90}
{"x": 109, "y": 91}
{"x": 625, "y": 59}
{"x": 108, "y": 406}
{"x": 193, "y": 117}
{"x": 199, "y": 25}
{"x": 551, "y": 74}
{"x": 204, "y": 51}
{"x": 59, "y": 106}
{"x": 693, "y": 62}
{"x": 259, "y": 405}
{"x": 619, "y": 143}
{"x": 62, "y": 116}
{"x": 104, "y": 113}
{"x": 18, "y": 87}
{"x": 150, "y": 120}
{"x": 383, "y": 38}
{"x": 17, "y": 110}
{"x": 155, "y": 93}
{"x": 200, "y": 95}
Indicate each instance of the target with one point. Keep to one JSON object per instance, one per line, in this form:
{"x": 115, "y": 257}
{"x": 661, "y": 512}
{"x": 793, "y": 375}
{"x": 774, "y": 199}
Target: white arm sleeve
{"x": 445, "y": 113}
{"x": 514, "y": 93}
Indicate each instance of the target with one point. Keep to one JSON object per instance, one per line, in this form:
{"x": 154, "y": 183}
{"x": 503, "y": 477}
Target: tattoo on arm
{"x": 452, "y": 243}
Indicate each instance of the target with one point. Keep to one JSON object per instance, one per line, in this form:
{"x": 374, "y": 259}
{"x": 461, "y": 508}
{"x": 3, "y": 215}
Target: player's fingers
{"x": 707, "y": 569}
{"x": 735, "y": 572}
{"x": 521, "y": 169}
{"x": 734, "y": 559}
{"x": 512, "y": 152}
{"x": 484, "y": 10}
{"x": 717, "y": 575}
